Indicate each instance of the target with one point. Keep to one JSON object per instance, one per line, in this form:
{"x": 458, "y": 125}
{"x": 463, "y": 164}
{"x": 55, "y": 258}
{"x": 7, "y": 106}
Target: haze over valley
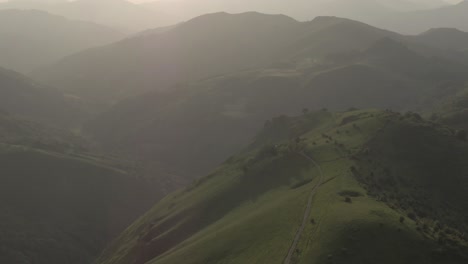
{"x": 203, "y": 131}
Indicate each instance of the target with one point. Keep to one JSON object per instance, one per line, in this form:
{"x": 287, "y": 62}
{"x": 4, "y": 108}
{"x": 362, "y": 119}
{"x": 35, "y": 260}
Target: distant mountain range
{"x": 30, "y": 39}
{"x": 299, "y": 9}
{"x": 404, "y": 16}
{"x": 453, "y": 16}
{"x": 211, "y": 45}
{"x": 119, "y": 14}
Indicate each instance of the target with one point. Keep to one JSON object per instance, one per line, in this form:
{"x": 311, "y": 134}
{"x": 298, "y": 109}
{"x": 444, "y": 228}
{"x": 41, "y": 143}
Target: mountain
{"x": 206, "y": 46}
{"x": 212, "y": 45}
{"x": 21, "y": 96}
{"x": 119, "y": 14}
{"x": 351, "y": 187}
{"x": 30, "y": 39}
{"x": 217, "y": 116}
{"x": 298, "y": 9}
{"x": 452, "y": 16}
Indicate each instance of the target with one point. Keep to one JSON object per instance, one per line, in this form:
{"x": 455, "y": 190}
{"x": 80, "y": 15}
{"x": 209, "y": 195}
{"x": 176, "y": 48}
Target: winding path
{"x": 293, "y": 247}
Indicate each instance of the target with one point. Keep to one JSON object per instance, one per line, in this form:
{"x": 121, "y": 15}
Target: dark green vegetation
{"x": 394, "y": 192}
{"x": 30, "y": 39}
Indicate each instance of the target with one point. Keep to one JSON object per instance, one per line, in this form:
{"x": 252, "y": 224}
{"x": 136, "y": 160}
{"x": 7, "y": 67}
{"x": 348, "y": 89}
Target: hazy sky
{"x": 142, "y": 1}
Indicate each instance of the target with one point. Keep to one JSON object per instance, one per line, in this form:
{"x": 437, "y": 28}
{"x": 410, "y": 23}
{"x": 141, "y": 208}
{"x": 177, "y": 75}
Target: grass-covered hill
{"x": 382, "y": 188}
{"x": 59, "y": 203}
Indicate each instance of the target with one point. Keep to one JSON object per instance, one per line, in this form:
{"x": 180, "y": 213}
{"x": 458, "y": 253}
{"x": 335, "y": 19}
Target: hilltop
{"x": 374, "y": 174}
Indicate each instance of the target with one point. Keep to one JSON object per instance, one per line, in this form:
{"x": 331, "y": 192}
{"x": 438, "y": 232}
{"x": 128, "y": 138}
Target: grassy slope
{"x": 249, "y": 209}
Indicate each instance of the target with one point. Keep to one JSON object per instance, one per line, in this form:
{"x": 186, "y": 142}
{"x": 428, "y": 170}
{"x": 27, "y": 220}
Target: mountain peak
{"x": 245, "y": 16}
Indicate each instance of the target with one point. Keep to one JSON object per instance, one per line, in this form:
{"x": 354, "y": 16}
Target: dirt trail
{"x": 293, "y": 247}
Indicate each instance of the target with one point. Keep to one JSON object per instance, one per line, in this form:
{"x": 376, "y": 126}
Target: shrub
{"x": 349, "y": 193}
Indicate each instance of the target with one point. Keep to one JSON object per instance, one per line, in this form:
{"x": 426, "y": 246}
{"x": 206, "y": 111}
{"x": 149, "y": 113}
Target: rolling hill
{"x": 382, "y": 188}
{"x": 30, "y": 39}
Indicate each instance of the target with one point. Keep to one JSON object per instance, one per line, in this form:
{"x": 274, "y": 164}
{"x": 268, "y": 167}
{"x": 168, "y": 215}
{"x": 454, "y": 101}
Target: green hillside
{"x": 385, "y": 188}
